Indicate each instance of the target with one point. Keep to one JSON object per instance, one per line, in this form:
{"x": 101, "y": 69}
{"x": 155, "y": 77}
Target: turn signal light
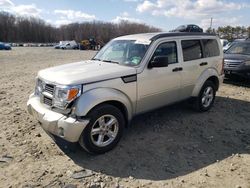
{"x": 72, "y": 93}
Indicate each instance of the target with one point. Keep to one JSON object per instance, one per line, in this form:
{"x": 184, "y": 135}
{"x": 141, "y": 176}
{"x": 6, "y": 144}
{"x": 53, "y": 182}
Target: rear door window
{"x": 211, "y": 47}
{"x": 191, "y": 50}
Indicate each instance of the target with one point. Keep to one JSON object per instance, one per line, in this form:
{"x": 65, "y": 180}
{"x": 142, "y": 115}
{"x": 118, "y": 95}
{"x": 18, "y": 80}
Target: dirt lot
{"x": 170, "y": 147}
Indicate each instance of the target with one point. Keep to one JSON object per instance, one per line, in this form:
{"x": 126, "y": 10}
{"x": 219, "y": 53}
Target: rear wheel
{"x": 206, "y": 97}
{"x": 104, "y": 129}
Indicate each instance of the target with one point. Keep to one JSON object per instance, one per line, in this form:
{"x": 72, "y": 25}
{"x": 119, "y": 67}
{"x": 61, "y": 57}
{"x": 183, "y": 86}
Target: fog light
{"x": 60, "y": 131}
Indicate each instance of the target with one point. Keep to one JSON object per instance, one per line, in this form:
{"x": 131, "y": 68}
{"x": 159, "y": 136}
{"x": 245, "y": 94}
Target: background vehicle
{"x": 58, "y": 46}
{"x": 89, "y": 44}
{"x": 85, "y": 45}
{"x": 188, "y": 28}
{"x": 92, "y": 102}
{"x": 227, "y": 46}
{"x": 69, "y": 45}
{"x": 237, "y": 59}
{"x": 4, "y": 46}
{"x": 224, "y": 42}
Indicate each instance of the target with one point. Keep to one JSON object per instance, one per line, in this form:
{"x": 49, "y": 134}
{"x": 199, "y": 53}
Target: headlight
{"x": 247, "y": 63}
{"x": 66, "y": 94}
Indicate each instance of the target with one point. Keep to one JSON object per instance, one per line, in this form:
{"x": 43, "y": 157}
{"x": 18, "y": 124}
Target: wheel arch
{"x": 209, "y": 74}
{"x": 93, "y": 98}
{"x": 215, "y": 81}
{"x": 118, "y": 105}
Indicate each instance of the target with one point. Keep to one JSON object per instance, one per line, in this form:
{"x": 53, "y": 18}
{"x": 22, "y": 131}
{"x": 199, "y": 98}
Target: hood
{"x": 238, "y": 57}
{"x": 84, "y": 72}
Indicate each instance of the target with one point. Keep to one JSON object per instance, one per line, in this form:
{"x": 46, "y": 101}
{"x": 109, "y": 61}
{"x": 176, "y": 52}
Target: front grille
{"x": 47, "y": 100}
{"x": 49, "y": 88}
{"x": 232, "y": 63}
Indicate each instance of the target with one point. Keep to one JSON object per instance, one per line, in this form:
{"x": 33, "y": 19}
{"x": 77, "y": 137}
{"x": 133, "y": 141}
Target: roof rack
{"x": 177, "y": 34}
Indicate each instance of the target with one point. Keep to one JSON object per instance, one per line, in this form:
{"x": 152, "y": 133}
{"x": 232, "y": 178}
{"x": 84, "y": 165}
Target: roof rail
{"x": 177, "y": 34}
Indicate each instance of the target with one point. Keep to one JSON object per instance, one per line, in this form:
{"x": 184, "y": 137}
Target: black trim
{"x": 202, "y": 48}
{"x": 177, "y": 34}
{"x": 129, "y": 78}
{"x": 100, "y": 81}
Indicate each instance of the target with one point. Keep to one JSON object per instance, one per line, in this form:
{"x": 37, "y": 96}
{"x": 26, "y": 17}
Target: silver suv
{"x": 91, "y": 102}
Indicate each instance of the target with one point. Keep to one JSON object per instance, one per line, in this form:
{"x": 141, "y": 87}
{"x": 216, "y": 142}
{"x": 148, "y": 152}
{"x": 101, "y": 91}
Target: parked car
{"x": 229, "y": 44}
{"x": 91, "y": 102}
{"x": 4, "y": 46}
{"x": 237, "y": 59}
{"x": 225, "y": 48}
{"x": 224, "y": 42}
{"x": 69, "y": 45}
{"x": 61, "y": 43}
{"x": 66, "y": 45}
{"x": 58, "y": 46}
{"x": 13, "y": 44}
{"x": 188, "y": 28}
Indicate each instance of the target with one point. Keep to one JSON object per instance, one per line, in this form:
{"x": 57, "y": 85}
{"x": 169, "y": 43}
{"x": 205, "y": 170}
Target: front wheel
{"x": 104, "y": 129}
{"x": 206, "y": 97}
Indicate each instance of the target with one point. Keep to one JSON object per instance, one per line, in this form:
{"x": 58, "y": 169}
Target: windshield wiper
{"x": 109, "y": 61}
{"x": 103, "y": 60}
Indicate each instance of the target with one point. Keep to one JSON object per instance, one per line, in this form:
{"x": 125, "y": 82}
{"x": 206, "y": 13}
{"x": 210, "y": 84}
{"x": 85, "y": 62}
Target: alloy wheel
{"x": 104, "y": 130}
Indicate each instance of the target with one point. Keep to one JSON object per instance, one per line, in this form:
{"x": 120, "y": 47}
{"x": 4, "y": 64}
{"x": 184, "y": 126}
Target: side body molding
{"x": 93, "y": 97}
{"x": 202, "y": 78}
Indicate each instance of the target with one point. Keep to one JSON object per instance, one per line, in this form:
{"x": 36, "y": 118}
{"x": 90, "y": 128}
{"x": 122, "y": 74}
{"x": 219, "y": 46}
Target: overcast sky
{"x": 164, "y": 14}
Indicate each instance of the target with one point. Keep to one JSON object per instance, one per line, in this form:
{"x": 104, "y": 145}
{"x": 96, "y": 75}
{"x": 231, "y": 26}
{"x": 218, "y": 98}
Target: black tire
{"x": 197, "y": 104}
{"x": 86, "y": 139}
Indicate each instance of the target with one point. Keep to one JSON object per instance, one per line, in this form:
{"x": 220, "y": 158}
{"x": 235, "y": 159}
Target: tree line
{"x": 24, "y": 29}
{"x": 230, "y": 33}
{"x": 35, "y": 30}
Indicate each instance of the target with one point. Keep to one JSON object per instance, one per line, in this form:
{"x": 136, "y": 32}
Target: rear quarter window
{"x": 211, "y": 48}
{"x": 191, "y": 49}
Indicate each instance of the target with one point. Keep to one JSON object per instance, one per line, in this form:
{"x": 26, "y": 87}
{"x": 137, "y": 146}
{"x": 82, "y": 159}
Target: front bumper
{"x": 240, "y": 69}
{"x": 54, "y": 123}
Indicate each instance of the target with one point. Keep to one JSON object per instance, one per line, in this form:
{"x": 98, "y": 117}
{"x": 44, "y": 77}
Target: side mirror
{"x": 159, "y": 61}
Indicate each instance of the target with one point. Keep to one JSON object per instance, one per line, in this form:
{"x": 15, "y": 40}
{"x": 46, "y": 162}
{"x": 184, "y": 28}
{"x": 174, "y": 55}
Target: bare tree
{"x": 23, "y": 29}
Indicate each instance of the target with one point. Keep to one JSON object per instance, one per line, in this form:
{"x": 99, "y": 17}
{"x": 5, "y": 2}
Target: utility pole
{"x": 211, "y": 23}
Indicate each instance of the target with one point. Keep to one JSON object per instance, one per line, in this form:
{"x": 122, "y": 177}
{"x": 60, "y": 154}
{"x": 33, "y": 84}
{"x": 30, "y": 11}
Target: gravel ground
{"x": 170, "y": 147}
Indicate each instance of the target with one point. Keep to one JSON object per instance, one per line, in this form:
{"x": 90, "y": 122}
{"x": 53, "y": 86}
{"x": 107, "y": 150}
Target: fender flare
{"x": 89, "y": 99}
{"x": 202, "y": 79}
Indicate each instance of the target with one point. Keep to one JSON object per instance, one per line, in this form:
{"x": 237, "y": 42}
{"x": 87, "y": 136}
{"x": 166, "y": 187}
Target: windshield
{"x": 123, "y": 52}
{"x": 239, "y": 48}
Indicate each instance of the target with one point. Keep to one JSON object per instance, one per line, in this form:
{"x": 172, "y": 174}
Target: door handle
{"x": 203, "y": 63}
{"x": 176, "y": 69}
{"x": 180, "y": 68}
